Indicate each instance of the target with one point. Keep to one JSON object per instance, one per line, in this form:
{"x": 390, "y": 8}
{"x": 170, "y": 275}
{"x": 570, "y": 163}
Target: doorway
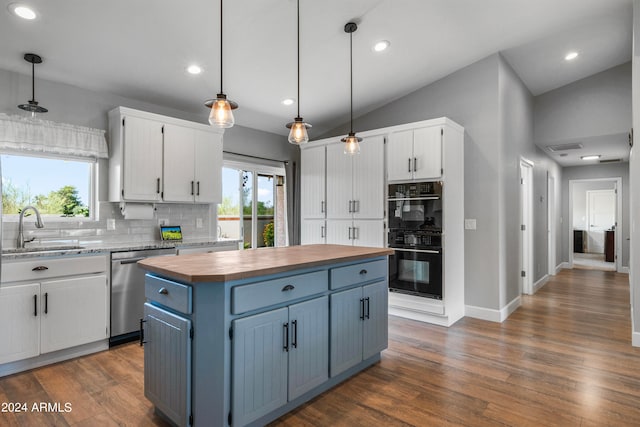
{"x": 526, "y": 227}
{"x": 595, "y": 214}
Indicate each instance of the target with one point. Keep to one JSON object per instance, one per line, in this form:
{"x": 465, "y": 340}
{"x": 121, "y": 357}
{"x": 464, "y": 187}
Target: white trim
{"x": 560, "y": 266}
{"x": 540, "y": 283}
{"x": 624, "y": 270}
{"x": 635, "y": 339}
{"x": 552, "y": 231}
{"x": 526, "y": 218}
{"x": 567, "y": 265}
{"x": 493, "y": 315}
{"x": 508, "y": 309}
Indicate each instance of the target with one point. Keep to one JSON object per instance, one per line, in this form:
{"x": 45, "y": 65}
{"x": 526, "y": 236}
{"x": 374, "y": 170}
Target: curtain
{"x": 27, "y": 135}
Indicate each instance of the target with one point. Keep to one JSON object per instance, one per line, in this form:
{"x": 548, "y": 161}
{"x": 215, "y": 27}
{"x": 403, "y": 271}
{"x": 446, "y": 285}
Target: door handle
{"x": 349, "y": 233}
{"x": 192, "y": 188}
{"x": 286, "y": 337}
{"x": 46, "y": 302}
{"x": 361, "y": 308}
{"x": 198, "y": 188}
{"x": 409, "y": 168}
{"x": 322, "y": 232}
{"x": 294, "y": 340}
{"x": 158, "y": 186}
{"x": 35, "y": 305}
{"x": 322, "y": 206}
{"x": 367, "y": 304}
{"x": 415, "y": 164}
{"x": 142, "y": 341}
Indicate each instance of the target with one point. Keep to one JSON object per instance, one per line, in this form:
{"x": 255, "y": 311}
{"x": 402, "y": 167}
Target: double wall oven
{"x": 415, "y": 233}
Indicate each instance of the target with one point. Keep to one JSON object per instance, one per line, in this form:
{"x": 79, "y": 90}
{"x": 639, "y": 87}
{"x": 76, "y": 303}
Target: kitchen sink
{"x": 40, "y": 249}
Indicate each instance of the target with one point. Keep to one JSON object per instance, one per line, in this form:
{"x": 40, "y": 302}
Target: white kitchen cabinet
{"x": 415, "y": 154}
{"x": 192, "y": 165}
{"x": 20, "y": 320}
{"x": 355, "y": 184}
{"x": 312, "y": 183}
{"x": 73, "y": 311}
{"x": 313, "y": 231}
{"x": 355, "y": 232}
{"x": 156, "y": 158}
{"x": 50, "y": 305}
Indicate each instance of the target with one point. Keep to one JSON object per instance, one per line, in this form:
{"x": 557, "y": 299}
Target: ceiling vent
{"x": 564, "y": 147}
{"x": 611, "y": 161}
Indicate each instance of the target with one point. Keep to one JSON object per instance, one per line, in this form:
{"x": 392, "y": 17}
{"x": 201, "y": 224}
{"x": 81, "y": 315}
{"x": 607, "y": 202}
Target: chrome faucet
{"x": 39, "y": 224}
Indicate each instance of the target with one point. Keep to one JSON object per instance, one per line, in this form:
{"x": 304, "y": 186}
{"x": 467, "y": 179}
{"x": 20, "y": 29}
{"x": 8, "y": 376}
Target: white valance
{"x": 23, "y": 134}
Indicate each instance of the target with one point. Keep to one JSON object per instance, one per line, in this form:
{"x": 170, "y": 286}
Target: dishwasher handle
{"x": 132, "y": 260}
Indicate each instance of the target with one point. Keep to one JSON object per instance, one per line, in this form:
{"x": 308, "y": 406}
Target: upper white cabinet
{"x": 355, "y": 184}
{"x": 415, "y": 154}
{"x": 312, "y": 183}
{"x": 155, "y": 158}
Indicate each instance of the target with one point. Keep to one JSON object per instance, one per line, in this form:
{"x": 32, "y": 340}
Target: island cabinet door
{"x": 167, "y": 363}
{"x": 259, "y": 365}
{"x": 346, "y": 330}
{"x": 375, "y": 325}
{"x": 309, "y": 348}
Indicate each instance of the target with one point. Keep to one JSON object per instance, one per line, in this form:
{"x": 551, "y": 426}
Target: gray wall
{"x": 612, "y": 170}
{"x": 594, "y": 106}
{"x": 70, "y": 104}
{"x": 634, "y": 173}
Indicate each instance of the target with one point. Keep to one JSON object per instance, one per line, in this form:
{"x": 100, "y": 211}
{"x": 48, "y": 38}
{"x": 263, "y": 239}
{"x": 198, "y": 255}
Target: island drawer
{"x": 342, "y": 277}
{"x": 277, "y": 291}
{"x": 170, "y": 294}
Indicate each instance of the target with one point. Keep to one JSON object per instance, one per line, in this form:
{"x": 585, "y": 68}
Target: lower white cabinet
{"x": 313, "y": 231}
{"x": 55, "y": 312}
{"x": 278, "y": 356}
{"x": 358, "y": 325}
{"x": 355, "y": 232}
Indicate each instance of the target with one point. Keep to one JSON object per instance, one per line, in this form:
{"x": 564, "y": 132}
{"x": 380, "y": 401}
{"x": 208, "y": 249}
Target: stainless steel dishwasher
{"x": 127, "y": 293}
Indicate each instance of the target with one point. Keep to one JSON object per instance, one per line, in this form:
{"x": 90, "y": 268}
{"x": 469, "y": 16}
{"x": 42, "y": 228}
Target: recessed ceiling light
{"x": 194, "y": 69}
{"x": 571, "y": 56}
{"x": 381, "y": 45}
{"x": 22, "y": 11}
{"x": 289, "y": 101}
{"x": 591, "y": 157}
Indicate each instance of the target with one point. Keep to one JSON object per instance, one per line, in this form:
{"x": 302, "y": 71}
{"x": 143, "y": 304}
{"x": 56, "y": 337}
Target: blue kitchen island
{"x": 242, "y": 337}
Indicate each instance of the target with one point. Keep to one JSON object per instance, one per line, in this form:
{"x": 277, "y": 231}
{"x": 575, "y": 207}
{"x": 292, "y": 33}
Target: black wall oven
{"x": 415, "y": 233}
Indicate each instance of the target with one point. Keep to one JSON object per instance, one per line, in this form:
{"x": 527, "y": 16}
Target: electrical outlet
{"x": 163, "y": 221}
{"x": 111, "y": 224}
{"x": 469, "y": 224}
{"x": 198, "y": 222}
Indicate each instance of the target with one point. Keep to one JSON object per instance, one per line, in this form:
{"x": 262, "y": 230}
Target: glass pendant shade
{"x": 221, "y": 114}
{"x": 351, "y": 144}
{"x": 298, "y": 134}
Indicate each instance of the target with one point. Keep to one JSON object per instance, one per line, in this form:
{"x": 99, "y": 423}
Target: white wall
{"x": 634, "y": 178}
{"x": 580, "y": 200}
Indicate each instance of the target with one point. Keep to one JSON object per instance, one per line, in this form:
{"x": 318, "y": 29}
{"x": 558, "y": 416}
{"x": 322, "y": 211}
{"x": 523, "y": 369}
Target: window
{"x": 57, "y": 187}
{"x": 253, "y": 207}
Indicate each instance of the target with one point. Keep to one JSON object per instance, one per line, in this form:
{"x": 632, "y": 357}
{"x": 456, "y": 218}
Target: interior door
{"x": 601, "y": 213}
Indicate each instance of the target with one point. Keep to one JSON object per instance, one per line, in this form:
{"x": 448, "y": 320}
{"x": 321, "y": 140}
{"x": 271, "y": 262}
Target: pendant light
{"x": 32, "y": 106}
{"x": 298, "y": 134}
{"x": 351, "y": 141}
{"x": 221, "y": 108}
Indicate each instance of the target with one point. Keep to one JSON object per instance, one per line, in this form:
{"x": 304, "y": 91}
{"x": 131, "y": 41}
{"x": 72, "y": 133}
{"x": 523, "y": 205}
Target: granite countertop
{"x": 105, "y": 247}
{"x": 234, "y": 265}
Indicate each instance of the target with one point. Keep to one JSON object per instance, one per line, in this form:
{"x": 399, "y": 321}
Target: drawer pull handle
{"x": 163, "y": 291}
{"x": 285, "y": 347}
{"x": 40, "y": 268}
{"x": 288, "y": 288}
{"x": 363, "y": 271}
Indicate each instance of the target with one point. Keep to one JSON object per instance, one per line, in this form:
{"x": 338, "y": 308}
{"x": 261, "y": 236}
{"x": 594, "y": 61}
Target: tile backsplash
{"x": 112, "y": 228}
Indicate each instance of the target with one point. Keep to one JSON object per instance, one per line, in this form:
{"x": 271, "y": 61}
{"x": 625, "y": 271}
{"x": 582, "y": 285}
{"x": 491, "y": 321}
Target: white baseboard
{"x": 565, "y": 265}
{"x": 635, "y": 339}
{"x": 624, "y": 270}
{"x": 560, "y": 267}
{"x": 540, "y": 283}
{"x": 493, "y": 315}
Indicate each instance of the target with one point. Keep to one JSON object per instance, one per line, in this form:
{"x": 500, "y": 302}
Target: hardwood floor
{"x": 564, "y": 358}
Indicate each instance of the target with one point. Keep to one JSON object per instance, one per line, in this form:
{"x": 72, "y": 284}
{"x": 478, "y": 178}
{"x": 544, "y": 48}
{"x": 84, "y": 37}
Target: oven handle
{"x": 400, "y": 199}
{"x": 426, "y": 251}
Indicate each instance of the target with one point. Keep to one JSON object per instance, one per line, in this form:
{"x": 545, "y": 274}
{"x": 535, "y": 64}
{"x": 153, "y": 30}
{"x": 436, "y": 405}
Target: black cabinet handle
{"x": 361, "y": 308}
{"x": 363, "y": 271}
{"x": 415, "y": 164}
{"x": 35, "y": 305}
{"x": 409, "y": 169}
{"x": 286, "y": 337}
{"x": 158, "y": 186}
{"x": 46, "y": 302}
{"x": 368, "y": 307}
{"x": 40, "y": 268}
{"x": 163, "y": 291}
{"x": 288, "y": 288}
{"x": 142, "y": 341}
{"x": 198, "y": 188}
{"x": 294, "y": 341}
{"x": 192, "y": 188}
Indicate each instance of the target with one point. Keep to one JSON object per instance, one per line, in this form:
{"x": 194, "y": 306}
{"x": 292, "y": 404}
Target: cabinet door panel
{"x": 208, "y": 167}
{"x": 309, "y": 354}
{"x": 167, "y": 363}
{"x": 368, "y": 179}
{"x": 259, "y": 371}
{"x": 427, "y": 151}
{"x": 400, "y": 156}
{"x": 142, "y": 159}
{"x": 20, "y": 320}
{"x": 312, "y": 183}
{"x": 339, "y": 182}
{"x": 339, "y": 231}
{"x": 375, "y": 329}
{"x": 178, "y": 161}
{"x": 346, "y": 330}
{"x": 74, "y": 312}
{"x": 312, "y": 231}
{"x": 369, "y": 233}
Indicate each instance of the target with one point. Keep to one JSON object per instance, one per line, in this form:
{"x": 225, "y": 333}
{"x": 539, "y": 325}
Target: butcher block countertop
{"x": 243, "y": 264}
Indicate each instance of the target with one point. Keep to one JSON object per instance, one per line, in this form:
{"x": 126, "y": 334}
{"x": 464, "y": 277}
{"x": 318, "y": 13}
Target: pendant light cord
{"x": 221, "y": 56}
{"x": 33, "y": 82}
{"x": 298, "y": 8}
{"x": 351, "y": 75}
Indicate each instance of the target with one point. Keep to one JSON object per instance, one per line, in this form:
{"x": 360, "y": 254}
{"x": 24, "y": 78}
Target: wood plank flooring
{"x": 562, "y": 359}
